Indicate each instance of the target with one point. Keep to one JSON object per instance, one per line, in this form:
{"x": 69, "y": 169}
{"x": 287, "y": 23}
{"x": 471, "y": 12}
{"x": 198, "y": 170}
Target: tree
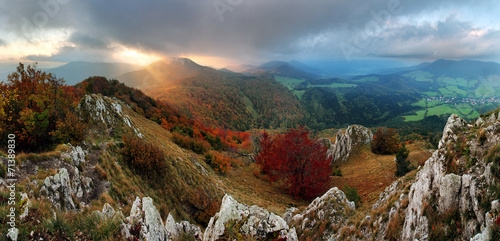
{"x": 36, "y": 106}
{"x": 299, "y": 163}
{"x": 402, "y": 164}
{"x": 385, "y": 141}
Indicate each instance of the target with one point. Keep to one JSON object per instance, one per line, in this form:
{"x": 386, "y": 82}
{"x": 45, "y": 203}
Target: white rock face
{"x": 331, "y": 206}
{"x": 58, "y": 190}
{"x": 106, "y": 110}
{"x": 252, "y": 221}
{"x": 445, "y": 192}
{"x": 76, "y": 154}
{"x": 152, "y": 227}
{"x": 345, "y": 143}
{"x": 176, "y": 230}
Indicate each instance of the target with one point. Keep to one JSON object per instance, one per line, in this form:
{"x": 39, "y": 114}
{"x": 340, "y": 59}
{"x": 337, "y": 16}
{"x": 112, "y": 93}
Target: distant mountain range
{"x": 292, "y": 69}
{"x": 75, "y": 72}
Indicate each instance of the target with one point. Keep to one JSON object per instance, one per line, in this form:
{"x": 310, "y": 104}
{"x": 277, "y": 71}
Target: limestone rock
{"x": 345, "y": 143}
{"x": 255, "y": 222}
{"x": 331, "y": 206}
{"x": 12, "y": 234}
{"x": 176, "y": 230}
{"x": 76, "y": 154}
{"x": 25, "y": 204}
{"x": 152, "y": 228}
{"x": 58, "y": 190}
{"x": 106, "y": 110}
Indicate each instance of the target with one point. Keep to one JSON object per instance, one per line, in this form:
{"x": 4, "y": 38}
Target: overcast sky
{"x": 223, "y": 32}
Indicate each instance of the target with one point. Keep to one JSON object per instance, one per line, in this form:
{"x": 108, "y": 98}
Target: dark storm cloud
{"x": 252, "y": 28}
{"x": 87, "y": 41}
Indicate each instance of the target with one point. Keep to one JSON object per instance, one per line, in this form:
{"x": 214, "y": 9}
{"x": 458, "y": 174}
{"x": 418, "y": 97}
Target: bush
{"x": 402, "y": 164}
{"x": 218, "y": 162}
{"x": 142, "y": 156}
{"x": 385, "y": 141}
{"x": 352, "y": 194}
{"x": 196, "y": 145}
{"x": 336, "y": 172}
{"x": 299, "y": 163}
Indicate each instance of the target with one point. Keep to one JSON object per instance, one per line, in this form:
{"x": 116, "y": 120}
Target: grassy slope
{"x": 371, "y": 173}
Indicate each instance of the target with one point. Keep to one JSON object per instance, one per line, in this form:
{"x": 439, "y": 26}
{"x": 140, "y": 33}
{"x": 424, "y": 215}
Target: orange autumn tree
{"x": 385, "y": 141}
{"x": 299, "y": 163}
{"x": 39, "y": 109}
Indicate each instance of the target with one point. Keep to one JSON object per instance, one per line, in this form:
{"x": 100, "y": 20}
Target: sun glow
{"x": 135, "y": 57}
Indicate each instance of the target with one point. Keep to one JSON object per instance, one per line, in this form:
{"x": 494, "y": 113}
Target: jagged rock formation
{"x": 57, "y": 189}
{"x": 145, "y": 218}
{"x": 105, "y": 110}
{"x": 443, "y": 188}
{"x": 251, "y": 222}
{"x": 332, "y": 209}
{"x": 184, "y": 228}
{"x": 354, "y": 136}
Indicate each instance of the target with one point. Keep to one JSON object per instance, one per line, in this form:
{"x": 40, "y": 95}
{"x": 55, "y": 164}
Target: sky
{"x": 228, "y": 32}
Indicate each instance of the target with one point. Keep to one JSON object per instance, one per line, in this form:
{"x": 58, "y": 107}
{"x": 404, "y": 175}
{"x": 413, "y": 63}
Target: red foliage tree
{"x": 298, "y": 162}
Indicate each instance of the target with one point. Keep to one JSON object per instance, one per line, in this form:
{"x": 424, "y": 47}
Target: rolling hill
{"x": 75, "y": 72}
{"x": 218, "y": 98}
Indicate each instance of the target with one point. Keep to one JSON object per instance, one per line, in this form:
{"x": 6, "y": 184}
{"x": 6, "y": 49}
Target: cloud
{"x": 2, "y": 42}
{"x": 262, "y": 29}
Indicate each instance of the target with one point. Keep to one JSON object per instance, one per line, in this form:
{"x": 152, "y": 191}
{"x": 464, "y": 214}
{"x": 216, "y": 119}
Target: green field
{"x": 366, "y": 79}
{"x": 455, "y": 89}
{"x": 451, "y": 81}
{"x": 420, "y": 75}
{"x": 290, "y": 83}
{"x": 464, "y": 110}
{"x": 337, "y": 85}
{"x": 299, "y": 93}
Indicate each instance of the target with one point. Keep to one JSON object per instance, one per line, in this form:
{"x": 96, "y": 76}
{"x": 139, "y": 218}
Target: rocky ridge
{"x": 345, "y": 144}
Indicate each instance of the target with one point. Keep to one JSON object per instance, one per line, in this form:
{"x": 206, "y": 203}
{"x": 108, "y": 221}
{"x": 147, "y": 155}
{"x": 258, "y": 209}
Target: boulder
{"x": 58, "y": 190}
{"x": 252, "y": 222}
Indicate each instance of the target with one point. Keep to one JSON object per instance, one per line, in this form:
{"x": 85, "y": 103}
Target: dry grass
{"x": 369, "y": 173}
{"x": 419, "y": 153}
{"x": 244, "y": 184}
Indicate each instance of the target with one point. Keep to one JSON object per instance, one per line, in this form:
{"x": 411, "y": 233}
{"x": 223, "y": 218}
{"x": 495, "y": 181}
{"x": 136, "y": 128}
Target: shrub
{"x": 143, "y": 157}
{"x": 195, "y": 144}
{"x": 352, "y": 194}
{"x": 337, "y": 172}
{"x": 482, "y": 137}
{"x": 219, "y": 162}
{"x": 298, "y": 162}
{"x": 402, "y": 164}
{"x": 385, "y": 141}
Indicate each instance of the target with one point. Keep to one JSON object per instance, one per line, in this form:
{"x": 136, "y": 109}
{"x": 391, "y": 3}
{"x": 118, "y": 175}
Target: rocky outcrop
{"x": 107, "y": 111}
{"x": 58, "y": 190}
{"x": 76, "y": 154}
{"x": 332, "y": 208}
{"x": 144, "y": 214}
{"x": 182, "y": 229}
{"x": 440, "y": 190}
{"x": 145, "y": 222}
{"x": 251, "y": 222}
{"x": 345, "y": 144}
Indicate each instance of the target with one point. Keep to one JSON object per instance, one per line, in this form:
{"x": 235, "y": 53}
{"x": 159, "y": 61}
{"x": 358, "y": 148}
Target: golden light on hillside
{"x": 212, "y": 61}
{"x": 135, "y": 57}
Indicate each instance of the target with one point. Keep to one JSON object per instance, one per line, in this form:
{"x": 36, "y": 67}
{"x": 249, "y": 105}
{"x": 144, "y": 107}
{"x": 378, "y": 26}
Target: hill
{"x": 293, "y": 69}
{"x": 161, "y": 72}
{"x": 218, "y": 98}
{"x": 75, "y": 72}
